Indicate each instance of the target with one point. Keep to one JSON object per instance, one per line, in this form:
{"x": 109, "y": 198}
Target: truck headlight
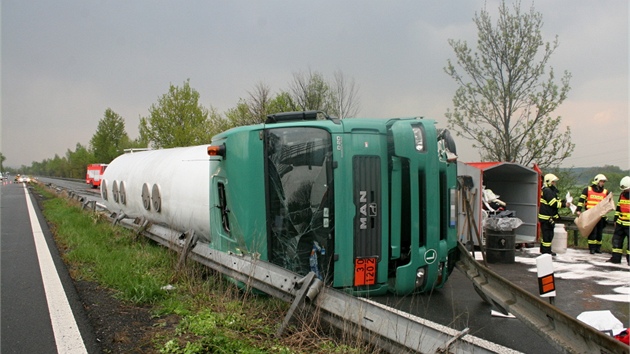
{"x": 453, "y": 208}
{"x": 420, "y": 275}
{"x": 440, "y": 277}
{"x": 418, "y": 135}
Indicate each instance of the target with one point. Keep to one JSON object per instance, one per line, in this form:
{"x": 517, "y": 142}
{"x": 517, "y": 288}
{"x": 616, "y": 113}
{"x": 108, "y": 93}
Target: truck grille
{"x": 367, "y": 203}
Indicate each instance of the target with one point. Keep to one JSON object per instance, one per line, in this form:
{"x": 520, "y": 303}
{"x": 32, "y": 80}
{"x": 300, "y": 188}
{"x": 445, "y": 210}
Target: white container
{"x": 559, "y": 242}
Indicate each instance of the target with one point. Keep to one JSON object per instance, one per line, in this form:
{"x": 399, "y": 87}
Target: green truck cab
{"x": 367, "y": 204}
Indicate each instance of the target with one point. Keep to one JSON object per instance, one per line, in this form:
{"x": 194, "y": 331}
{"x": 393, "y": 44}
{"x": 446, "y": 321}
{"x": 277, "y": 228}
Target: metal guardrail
{"x": 387, "y": 328}
{"x": 564, "y": 332}
{"x": 569, "y": 223}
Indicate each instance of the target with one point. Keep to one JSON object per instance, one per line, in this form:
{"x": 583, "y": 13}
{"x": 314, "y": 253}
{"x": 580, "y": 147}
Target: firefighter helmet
{"x": 625, "y": 183}
{"x": 599, "y": 177}
{"x": 550, "y": 177}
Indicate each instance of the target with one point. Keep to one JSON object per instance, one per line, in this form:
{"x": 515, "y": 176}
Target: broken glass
{"x": 299, "y": 190}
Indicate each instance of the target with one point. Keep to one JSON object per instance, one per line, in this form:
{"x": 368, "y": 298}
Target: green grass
{"x": 214, "y": 315}
{"x": 109, "y": 255}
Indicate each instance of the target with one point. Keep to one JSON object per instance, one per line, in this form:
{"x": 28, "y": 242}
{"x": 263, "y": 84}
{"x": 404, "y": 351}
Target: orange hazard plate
{"x": 364, "y": 271}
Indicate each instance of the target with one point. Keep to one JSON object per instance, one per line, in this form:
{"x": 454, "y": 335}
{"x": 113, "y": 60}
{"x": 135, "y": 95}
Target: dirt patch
{"x": 121, "y": 328}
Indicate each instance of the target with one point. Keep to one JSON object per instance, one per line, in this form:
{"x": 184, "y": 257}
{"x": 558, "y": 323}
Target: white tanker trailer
{"x": 167, "y": 186}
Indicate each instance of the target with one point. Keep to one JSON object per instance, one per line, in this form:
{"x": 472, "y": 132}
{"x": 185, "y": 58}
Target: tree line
{"x": 179, "y": 119}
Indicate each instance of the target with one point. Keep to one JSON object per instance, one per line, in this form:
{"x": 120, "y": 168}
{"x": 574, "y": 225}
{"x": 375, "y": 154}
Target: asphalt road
{"x": 584, "y": 282}
{"x": 41, "y": 311}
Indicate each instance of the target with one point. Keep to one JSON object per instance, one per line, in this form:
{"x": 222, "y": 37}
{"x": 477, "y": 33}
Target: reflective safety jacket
{"x": 622, "y": 214}
{"x": 591, "y": 196}
{"x": 549, "y": 204}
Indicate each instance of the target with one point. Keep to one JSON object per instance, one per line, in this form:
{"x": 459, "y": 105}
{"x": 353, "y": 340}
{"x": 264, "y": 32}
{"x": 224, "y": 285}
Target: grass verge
{"x": 213, "y": 316}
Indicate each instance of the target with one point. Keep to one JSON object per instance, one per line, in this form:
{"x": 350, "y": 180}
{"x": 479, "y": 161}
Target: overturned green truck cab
{"x": 369, "y": 205}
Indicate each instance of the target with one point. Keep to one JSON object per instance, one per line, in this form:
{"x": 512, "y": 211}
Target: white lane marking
{"x": 67, "y": 335}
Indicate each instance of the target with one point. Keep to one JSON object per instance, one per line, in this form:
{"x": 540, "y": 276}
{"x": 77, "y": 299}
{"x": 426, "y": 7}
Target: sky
{"x": 64, "y": 62}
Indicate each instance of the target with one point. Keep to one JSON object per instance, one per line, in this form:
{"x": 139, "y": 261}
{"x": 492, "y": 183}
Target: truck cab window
{"x": 225, "y": 221}
{"x": 299, "y": 195}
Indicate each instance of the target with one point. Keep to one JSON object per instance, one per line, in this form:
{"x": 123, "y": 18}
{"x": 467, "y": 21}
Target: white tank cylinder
{"x": 559, "y": 242}
{"x": 168, "y": 186}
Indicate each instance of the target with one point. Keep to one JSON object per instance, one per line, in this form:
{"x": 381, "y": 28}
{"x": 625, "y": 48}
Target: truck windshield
{"x": 299, "y": 198}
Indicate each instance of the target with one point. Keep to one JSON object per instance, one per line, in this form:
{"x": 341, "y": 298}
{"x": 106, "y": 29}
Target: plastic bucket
{"x": 559, "y": 242}
{"x": 500, "y": 246}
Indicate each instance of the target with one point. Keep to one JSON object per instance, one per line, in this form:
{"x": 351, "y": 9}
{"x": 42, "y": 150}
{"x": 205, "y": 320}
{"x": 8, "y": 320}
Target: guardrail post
{"x": 299, "y": 299}
{"x": 119, "y": 218}
{"x": 189, "y": 244}
{"x": 446, "y": 347}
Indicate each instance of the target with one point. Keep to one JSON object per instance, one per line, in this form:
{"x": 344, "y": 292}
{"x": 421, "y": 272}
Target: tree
{"x": 281, "y": 103}
{"x": 2, "y": 159}
{"x": 77, "y": 162}
{"x": 258, "y": 102}
{"x": 218, "y": 123}
{"x": 309, "y": 91}
{"x": 258, "y": 105}
{"x": 253, "y": 110}
{"x": 504, "y": 102}
{"x": 58, "y": 167}
{"x": 110, "y": 138}
{"x": 345, "y": 93}
{"x": 176, "y": 120}
{"x": 240, "y": 115}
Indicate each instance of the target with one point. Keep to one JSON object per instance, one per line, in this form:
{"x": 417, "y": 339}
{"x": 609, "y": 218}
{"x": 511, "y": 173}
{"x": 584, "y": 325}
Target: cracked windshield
{"x": 299, "y": 187}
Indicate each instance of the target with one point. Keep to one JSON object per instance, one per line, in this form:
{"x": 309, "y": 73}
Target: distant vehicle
{"x": 24, "y": 179}
{"x": 94, "y": 174}
{"x": 4, "y": 176}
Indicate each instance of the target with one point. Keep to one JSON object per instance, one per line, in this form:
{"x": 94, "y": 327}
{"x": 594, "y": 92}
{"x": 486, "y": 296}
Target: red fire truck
{"x": 94, "y": 174}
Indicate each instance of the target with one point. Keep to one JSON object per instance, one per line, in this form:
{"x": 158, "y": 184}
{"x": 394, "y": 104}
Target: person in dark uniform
{"x": 590, "y": 197}
{"x": 622, "y": 221}
{"x": 548, "y": 212}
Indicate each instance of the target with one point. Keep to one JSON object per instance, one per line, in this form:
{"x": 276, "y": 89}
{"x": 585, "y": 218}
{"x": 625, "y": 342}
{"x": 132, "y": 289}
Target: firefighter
{"x": 622, "y": 221}
{"x": 590, "y": 197}
{"x": 548, "y": 213}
